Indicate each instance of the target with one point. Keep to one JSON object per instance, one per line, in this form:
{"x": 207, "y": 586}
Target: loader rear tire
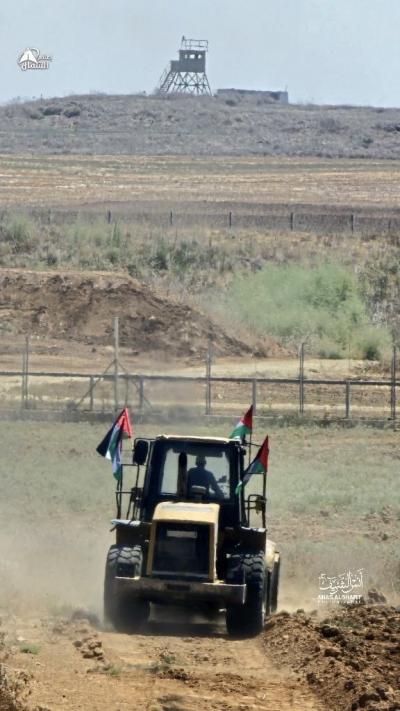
{"x": 126, "y": 612}
{"x": 248, "y": 620}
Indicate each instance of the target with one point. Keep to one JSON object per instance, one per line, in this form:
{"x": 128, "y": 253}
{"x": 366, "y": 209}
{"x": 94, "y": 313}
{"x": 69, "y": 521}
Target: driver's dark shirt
{"x": 198, "y": 476}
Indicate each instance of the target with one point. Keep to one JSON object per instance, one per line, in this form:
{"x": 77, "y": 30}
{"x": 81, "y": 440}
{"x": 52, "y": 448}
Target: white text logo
{"x": 341, "y": 588}
{"x": 31, "y": 58}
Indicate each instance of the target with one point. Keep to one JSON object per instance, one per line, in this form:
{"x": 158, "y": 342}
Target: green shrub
{"x": 159, "y": 256}
{"x": 19, "y": 232}
{"x": 372, "y": 343}
{"x": 29, "y": 649}
{"x": 327, "y": 348}
{"x": 321, "y": 306}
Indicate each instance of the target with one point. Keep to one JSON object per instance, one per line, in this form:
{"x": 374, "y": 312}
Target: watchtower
{"x": 187, "y": 75}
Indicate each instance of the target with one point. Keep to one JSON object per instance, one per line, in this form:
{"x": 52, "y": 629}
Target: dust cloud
{"x": 51, "y": 565}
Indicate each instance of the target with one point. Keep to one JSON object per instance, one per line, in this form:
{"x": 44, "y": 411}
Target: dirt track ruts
{"x": 173, "y": 667}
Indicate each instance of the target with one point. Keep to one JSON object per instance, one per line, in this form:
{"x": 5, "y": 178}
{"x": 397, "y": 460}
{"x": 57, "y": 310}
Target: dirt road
{"x": 175, "y": 666}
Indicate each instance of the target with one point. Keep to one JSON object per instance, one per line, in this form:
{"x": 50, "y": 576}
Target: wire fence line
{"x": 269, "y": 217}
{"x": 65, "y": 390}
{"x": 208, "y": 394}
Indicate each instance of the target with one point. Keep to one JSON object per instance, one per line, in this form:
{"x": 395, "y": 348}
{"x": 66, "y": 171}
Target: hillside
{"x": 118, "y": 125}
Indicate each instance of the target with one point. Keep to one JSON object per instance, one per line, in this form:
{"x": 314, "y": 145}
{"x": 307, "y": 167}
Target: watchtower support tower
{"x": 187, "y": 75}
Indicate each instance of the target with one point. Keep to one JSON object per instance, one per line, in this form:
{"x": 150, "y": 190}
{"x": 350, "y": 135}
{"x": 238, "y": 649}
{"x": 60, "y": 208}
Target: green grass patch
{"x": 112, "y": 670}
{"x": 321, "y": 306}
{"x": 29, "y": 649}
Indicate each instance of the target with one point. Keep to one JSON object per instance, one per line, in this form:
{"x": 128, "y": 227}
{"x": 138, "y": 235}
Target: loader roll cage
{"x": 170, "y": 464}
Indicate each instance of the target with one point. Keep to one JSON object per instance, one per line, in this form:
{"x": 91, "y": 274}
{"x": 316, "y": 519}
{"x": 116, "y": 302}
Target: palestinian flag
{"x": 244, "y": 426}
{"x": 259, "y": 465}
{"x": 111, "y": 446}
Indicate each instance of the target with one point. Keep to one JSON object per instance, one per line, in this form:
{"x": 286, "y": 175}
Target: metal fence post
{"x": 27, "y": 354}
{"x": 171, "y": 218}
{"x": 23, "y": 377}
{"x": 141, "y": 393}
{"x": 348, "y": 399}
{"x": 254, "y": 396}
{"x": 301, "y": 380}
{"x": 91, "y": 390}
{"x": 230, "y": 219}
{"x": 292, "y": 221}
{"x": 393, "y": 403}
{"x": 352, "y": 221}
{"x": 208, "y": 379}
{"x": 127, "y": 384}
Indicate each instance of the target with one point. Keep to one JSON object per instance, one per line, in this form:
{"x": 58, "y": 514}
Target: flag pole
{"x": 116, "y": 361}
{"x": 251, "y": 431}
{"x": 265, "y": 493}
{"x": 119, "y": 496}
{"x": 250, "y": 445}
{"x": 120, "y": 480}
{"x": 264, "y": 513}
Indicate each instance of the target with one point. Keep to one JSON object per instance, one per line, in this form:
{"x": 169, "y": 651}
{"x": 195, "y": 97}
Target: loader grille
{"x": 182, "y": 550}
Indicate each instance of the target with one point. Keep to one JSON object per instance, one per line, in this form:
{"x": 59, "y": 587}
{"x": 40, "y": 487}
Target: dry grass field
{"x": 333, "y": 501}
{"x": 215, "y": 184}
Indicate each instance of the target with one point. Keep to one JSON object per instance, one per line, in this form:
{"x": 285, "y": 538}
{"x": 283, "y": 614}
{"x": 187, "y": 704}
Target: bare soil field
{"x": 156, "y": 184}
{"x": 172, "y": 667}
{"x": 196, "y": 126}
{"x": 347, "y": 660}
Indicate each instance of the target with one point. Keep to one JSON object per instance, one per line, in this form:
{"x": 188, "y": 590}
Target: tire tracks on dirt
{"x": 170, "y": 667}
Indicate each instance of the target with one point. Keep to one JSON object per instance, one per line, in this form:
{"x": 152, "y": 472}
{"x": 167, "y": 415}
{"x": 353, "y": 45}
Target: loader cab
{"x": 195, "y": 470}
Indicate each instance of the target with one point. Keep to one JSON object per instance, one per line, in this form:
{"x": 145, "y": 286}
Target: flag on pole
{"x": 259, "y": 465}
{"x": 111, "y": 446}
{"x": 244, "y": 426}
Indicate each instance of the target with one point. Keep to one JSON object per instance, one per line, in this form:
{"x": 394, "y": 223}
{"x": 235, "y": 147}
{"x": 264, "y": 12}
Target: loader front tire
{"x": 127, "y": 613}
{"x": 248, "y": 620}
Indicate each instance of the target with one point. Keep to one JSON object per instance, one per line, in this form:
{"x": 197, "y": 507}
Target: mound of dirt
{"x": 80, "y": 306}
{"x": 351, "y": 658}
